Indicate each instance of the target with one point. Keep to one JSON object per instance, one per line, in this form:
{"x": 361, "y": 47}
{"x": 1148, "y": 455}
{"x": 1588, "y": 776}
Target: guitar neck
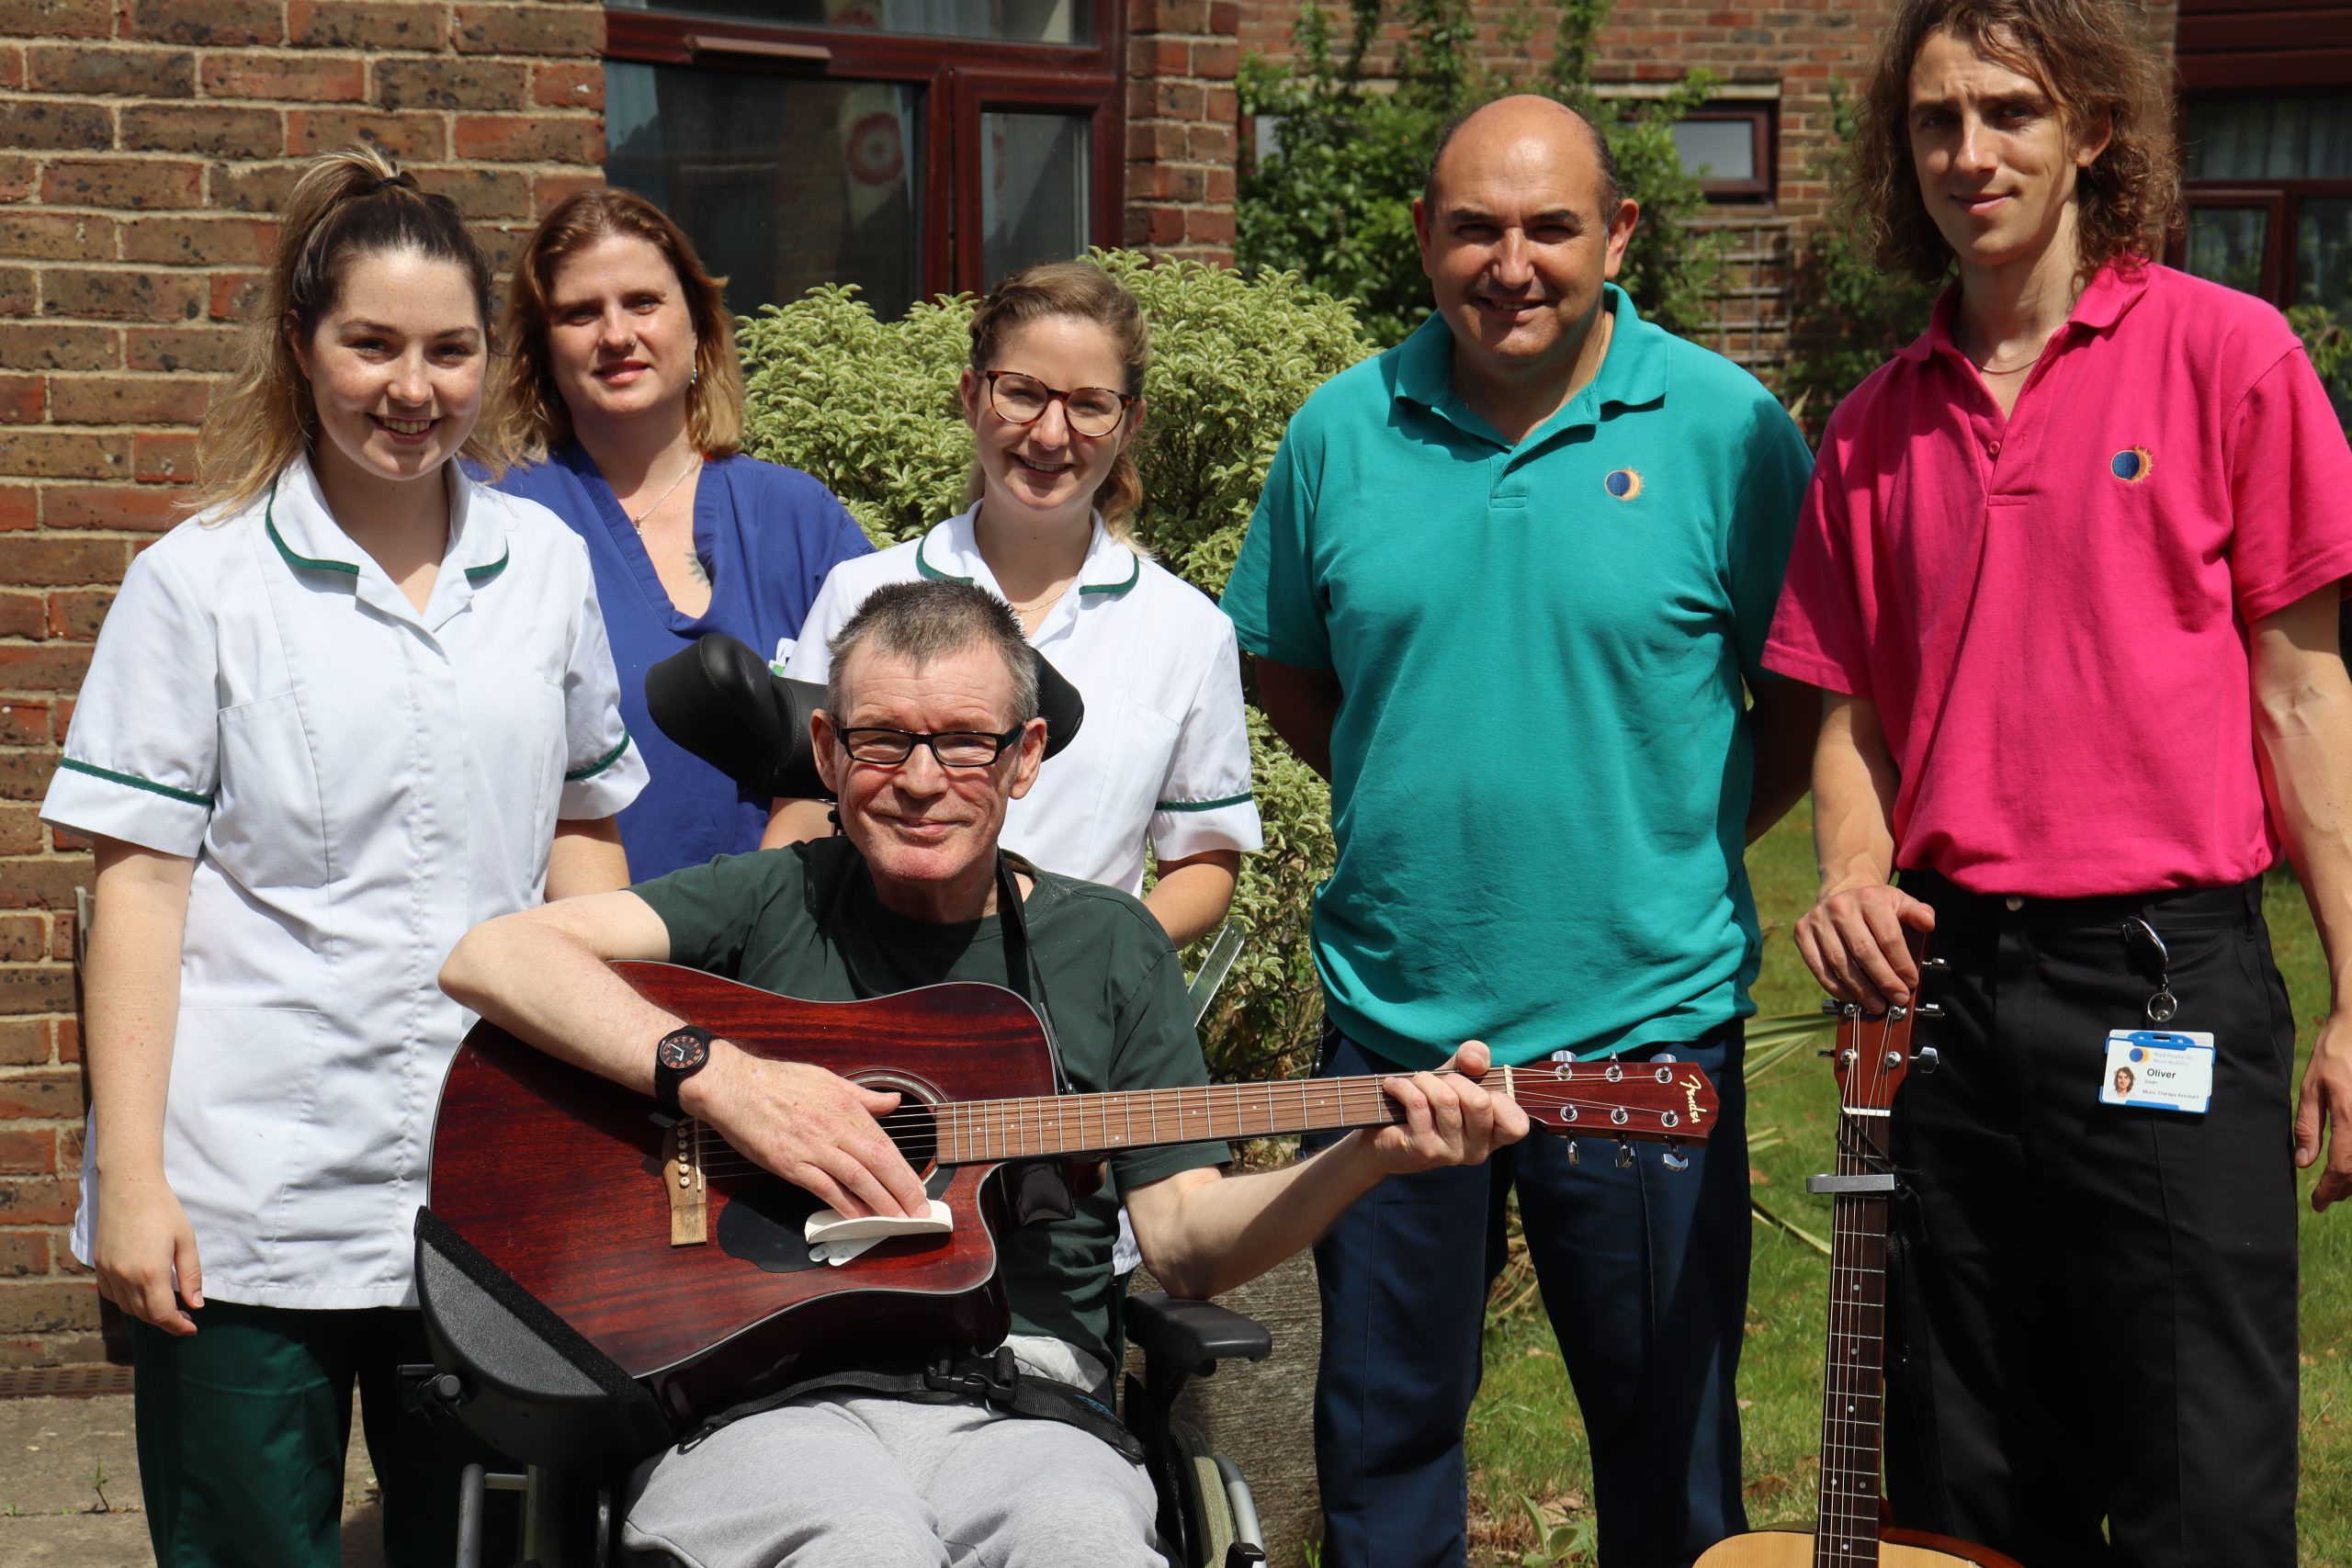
{"x": 1853, "y": 1367}
{"x": 985, "y": 1130}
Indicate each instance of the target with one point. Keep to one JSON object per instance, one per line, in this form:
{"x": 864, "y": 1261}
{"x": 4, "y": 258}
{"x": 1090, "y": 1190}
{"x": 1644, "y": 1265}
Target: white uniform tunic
{"x": 1164, "y": 750}
{"x": 358, "y": 785}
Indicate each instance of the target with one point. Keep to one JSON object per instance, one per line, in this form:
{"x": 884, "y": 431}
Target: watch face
{"x": 681, "y": 1051}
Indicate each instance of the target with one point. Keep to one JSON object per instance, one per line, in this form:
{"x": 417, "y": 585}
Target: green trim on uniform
{"x": 579, "y": 775}
{"x": 149, "y": 785}
{"x": 1135, "y": 575}
{"x": 1241, "y": 799}
{"x": 269, "y": 525}
{"x": 477, "y": 575}
{"x": 930, "y": 570}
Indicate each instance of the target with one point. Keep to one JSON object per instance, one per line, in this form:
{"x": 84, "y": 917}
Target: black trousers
{"x": 2095, "y": 1307}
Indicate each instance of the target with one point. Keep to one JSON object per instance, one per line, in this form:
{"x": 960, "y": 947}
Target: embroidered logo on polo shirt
{"x": 2132, "y": 465}
{"x": 1622, "y": 483}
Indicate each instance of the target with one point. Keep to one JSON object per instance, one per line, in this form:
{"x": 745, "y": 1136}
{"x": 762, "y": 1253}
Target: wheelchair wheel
{"x": 1204, "y": 1492}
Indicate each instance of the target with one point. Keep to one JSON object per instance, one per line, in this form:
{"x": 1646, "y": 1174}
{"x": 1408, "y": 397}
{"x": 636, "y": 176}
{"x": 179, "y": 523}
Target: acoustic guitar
{"x": 1873, "y": 1055}
{"x": 689, "y": 1266}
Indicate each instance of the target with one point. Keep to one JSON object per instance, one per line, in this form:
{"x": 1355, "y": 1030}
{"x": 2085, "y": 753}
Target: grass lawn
{"x": 1527, "y": 1442}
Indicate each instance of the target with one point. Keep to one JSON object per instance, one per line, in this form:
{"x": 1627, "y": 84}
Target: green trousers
{"x": 242, "y": 1429}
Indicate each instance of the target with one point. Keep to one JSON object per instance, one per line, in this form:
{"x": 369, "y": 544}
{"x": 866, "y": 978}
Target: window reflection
{"x": 783, "y": 184}
{"x": 1033, "y": 191}
{"x": 2269, "y": 138}
{"x": 2225, "y": 244}
{"x": 2323, "y": 252}
{"x": 1019, "y": 22}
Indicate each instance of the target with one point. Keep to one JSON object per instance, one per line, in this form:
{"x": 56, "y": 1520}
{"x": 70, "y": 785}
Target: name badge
{"x": 2150, "y": 1069}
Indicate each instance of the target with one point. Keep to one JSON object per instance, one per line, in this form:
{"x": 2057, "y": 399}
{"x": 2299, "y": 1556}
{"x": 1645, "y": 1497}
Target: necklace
{"x": 637, "y": 522}
{"x": 1990, "y": 369}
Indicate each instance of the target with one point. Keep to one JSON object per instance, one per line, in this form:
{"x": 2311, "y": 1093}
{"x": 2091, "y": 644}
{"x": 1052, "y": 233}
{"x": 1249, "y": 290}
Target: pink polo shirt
{"x": 2050, "y": 610}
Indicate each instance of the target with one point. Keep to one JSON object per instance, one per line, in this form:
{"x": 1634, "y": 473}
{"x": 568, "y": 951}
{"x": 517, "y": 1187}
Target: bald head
{"x": 1518, "y": 126}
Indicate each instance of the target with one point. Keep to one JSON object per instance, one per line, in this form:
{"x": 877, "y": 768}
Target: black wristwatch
{"x": 680, "y": 1055}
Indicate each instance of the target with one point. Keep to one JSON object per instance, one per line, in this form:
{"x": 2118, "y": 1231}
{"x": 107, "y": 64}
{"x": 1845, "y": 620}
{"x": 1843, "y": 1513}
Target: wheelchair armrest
{"x": 1196, "y": 1334}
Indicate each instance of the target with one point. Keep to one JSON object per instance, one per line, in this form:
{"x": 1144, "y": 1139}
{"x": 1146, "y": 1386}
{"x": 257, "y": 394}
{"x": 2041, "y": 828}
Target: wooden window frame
{"x": 960, "y": 78}
{"x": 1764, "y": 131}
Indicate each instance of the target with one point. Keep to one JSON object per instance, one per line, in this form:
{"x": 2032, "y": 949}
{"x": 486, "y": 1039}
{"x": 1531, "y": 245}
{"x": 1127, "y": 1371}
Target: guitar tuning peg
{"x": 1832, "y": 1007}
{"x": 1926, "y": 1059}
{"x": 1624, "y": 1156}
{"x": 1673, "y": 1158}
{"x": 1938, "y": 964}
{"x": 1930, "y": 1009}
{"x": 1826, "y": 1051}
{"x": 1574, "y": 1159}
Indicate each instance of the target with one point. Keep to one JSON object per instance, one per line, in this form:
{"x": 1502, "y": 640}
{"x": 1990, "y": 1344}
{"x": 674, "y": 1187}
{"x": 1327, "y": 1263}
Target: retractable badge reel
{"x": 2146, "y": 952}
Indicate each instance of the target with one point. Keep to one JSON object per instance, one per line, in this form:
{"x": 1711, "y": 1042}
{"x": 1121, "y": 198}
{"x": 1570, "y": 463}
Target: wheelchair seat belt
{"x": 995, "y": 1381}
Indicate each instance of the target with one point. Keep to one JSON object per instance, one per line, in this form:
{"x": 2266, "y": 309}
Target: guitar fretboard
{"x": 1853, "y": 1373}
{"x": 980, "y": 1131}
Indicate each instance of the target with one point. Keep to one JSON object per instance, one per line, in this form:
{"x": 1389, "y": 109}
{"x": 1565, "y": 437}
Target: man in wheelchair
{"x": 930, "y": 727}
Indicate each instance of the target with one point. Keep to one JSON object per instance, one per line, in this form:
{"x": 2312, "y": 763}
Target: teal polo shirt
{"x": 1541, "y": 765}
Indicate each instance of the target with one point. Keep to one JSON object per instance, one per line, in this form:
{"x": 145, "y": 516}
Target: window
{"x": 2270, "y": 196}
{"x": 1729, "y": 146}
{"x": 909, "y": 147}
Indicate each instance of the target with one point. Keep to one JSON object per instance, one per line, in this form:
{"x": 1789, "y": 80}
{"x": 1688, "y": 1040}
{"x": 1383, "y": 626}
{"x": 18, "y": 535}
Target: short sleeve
{"x": 1154, "y": 1047}
{"x": 1272, "y": 597}
{"x": 812, "y": 657}
{"x": 1763, "y": 527}
{"x": 1817, "y": 631}
{"x": 603, "y": 770}
{"x": 1204, "y": 799}
{"x": 141, "y": 761}
{"x": 710, "y": 910}
{"x": 2290, "y": 472}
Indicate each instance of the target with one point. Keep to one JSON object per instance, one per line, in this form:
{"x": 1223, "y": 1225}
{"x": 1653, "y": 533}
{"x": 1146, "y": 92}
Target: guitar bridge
{"x": 681, "y": 1177}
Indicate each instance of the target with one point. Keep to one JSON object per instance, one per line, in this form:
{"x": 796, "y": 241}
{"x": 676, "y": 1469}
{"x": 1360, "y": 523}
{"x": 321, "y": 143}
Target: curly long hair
{"x": 534, "y": 410}
{"x": 2095, "y": 60}
{"x": 350, "y": 204}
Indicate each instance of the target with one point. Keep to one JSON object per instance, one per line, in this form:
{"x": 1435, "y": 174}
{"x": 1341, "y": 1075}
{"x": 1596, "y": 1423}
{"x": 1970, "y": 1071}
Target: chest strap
{"x": 996, "y": 1381}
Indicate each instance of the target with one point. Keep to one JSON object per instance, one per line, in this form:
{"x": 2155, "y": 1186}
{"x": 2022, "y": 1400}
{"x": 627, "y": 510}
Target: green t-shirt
{"x": 1539, "y": 766}
{"x": 805, "y": 922}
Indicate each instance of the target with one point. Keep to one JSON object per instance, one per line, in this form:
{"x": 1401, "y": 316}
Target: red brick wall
{"x": 147, "y": 142}
{"x": 1181, "y": 112}
{"x": 1803, "y": 45}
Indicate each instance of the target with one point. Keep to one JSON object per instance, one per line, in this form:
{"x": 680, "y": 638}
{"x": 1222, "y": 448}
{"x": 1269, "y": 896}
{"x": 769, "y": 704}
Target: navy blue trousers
{"x": 1645, "y": 1276}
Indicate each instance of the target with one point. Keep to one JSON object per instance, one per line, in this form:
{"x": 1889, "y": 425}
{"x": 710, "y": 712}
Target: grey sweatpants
{"x": 869, "y": 1482}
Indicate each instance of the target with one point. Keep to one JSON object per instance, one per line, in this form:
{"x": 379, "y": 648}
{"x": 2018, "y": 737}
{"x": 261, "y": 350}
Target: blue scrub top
{"x": 768, "y": 537}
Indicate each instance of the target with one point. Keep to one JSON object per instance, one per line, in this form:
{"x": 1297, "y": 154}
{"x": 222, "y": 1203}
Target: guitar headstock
{"x": 1874, "y": 1054}
{"x": 1670, "y": 1102}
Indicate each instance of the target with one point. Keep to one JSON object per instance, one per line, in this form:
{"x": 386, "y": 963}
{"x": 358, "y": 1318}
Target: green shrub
{"x": 1335, "y": 203}
{"x": 1847, "y": 317}
{"x": 869, "y": 408}
{"x": 2329, "y": 343}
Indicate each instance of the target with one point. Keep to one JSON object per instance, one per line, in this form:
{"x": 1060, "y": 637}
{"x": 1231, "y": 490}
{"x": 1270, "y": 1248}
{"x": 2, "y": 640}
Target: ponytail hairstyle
{"x": 1078, "y": 290}
{"x": 347, "y": 205}
{"x": 534, "y": 416}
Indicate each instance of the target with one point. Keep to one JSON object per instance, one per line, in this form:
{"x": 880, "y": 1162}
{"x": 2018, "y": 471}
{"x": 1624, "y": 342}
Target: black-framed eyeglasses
{"x": 949, "y": 748}
{"x": 1023, "y": 400}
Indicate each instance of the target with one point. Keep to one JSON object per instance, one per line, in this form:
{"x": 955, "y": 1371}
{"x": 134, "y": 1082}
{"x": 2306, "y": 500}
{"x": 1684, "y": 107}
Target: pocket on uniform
{"x": 237, "y": 1118}
{"x": 267, "y": 828}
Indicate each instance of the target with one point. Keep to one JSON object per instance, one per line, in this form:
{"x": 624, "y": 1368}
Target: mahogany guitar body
{"x": 1896, "y": 1549}
{"x": 689, "y": 1267}
{"x": 556, "y": 1176}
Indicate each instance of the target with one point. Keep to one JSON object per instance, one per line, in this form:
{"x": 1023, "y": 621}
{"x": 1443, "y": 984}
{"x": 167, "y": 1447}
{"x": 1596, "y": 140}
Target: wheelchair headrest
{"x": 720, "y": 701}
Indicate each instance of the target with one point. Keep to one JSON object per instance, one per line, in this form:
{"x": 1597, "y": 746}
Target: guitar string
{"x": 971, "y": 1131}
{"x": 978, "y": 1121}
{"x": 1848, "y": 1506}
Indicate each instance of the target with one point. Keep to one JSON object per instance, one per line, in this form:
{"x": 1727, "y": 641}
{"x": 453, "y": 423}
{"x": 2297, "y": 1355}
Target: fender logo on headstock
{"x": 1691, "y": 1086}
